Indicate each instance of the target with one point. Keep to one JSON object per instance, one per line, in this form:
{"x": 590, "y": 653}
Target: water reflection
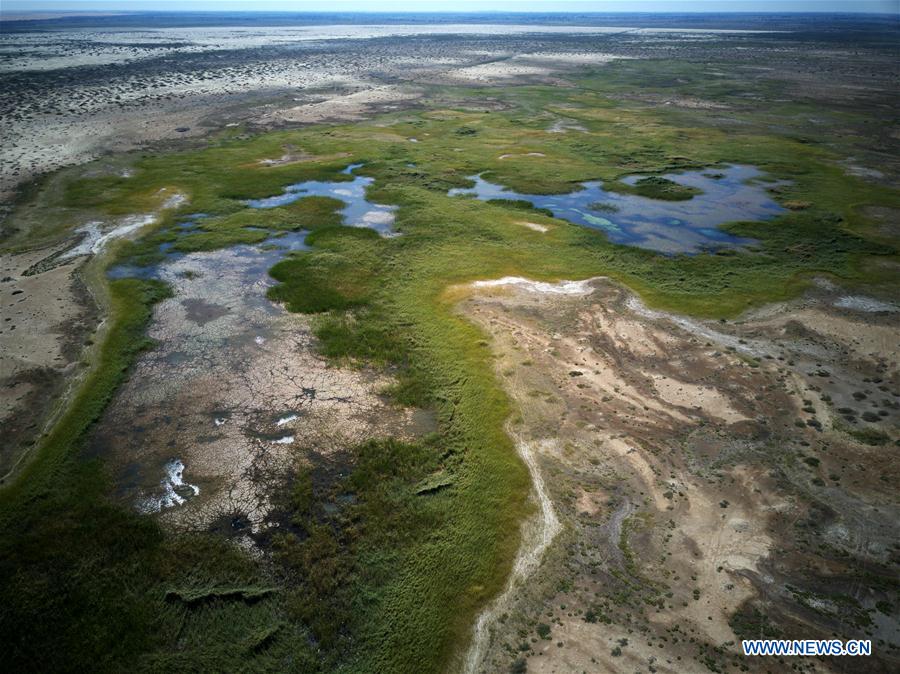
{"x": 729, "y": 194}
{"x": 357, "y": 212}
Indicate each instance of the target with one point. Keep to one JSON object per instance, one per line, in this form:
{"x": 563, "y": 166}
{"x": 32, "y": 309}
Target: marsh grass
{"x": 393, "y": 582}
{"x": 656, "y": 187}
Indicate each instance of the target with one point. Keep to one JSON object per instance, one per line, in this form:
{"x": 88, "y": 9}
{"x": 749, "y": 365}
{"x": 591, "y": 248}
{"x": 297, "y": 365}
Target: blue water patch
{"x": 287, "y": 241}
{"x": 120, "y": 271}
{"x": 357, "y": 212}
{"x": 192, "y": 221}
{"x": 730, "y": 194}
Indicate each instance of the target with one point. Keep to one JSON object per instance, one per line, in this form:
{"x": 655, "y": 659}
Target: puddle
{"x": 287, "y": 241}
{"x": 175, "y": 491}
{"x": 358, "y": 211}
{"x": 132, "y": 271}
{"x": 728, "y": 194}
{"x": 865, "y": 304}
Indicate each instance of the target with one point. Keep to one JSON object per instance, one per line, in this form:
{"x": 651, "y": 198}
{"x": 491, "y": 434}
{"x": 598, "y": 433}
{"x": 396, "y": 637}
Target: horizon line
{"x": 111, "y": 12}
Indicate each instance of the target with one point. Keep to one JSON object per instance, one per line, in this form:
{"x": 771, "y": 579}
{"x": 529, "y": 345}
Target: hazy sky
{"x": 884, "y": 6}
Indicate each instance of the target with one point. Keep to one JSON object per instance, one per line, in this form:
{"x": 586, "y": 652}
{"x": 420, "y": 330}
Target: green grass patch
{"x": 656, "y": 187}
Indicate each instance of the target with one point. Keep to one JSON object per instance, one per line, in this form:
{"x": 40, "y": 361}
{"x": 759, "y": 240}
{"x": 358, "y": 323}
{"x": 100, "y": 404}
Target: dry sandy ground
{"x": 45, "y": 320}
{"x": 50, "y": 315}
{"x": 140, "y": 87}
{"x": 231, "y": 398}
{"x": 690, "y": 486}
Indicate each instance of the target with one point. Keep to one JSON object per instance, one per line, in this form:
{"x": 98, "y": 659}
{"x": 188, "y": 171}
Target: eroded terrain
{"x": 713, "y": 480}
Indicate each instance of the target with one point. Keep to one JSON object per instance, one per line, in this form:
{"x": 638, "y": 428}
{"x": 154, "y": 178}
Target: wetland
{"x": 598, "y": 373}
{"x": 716, "y": 197}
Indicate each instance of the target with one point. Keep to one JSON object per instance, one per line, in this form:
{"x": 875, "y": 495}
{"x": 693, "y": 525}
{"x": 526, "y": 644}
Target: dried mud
{"x": 703, "y": 476}
{"x": 235, "y": 393}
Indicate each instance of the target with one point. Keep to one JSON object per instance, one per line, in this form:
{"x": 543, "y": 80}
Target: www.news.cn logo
{"x": 813, "y": 647}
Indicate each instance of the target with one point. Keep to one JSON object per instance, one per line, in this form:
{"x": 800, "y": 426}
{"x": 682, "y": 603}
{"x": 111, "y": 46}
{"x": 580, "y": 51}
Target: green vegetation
{"x": 88, "y": 585}
{"x": 341, "y": 276}
{"x": 391, "y": 579}
{"x": 338, "y": 550}
{"x": 656, "y": 187}
{"x": 866, "y": 434}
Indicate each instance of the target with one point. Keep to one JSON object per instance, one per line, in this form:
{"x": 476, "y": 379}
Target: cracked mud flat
{"x": 702, "y": 474}
{"x": 234, "y": 393}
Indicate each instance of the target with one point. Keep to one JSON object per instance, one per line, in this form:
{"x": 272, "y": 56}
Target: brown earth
{"x": 705, "y": 482}
{"x": 46, "y": 320}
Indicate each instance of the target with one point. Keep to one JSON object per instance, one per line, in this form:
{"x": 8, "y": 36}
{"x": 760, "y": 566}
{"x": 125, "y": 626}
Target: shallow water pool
{"x": 729, "y": 194}
{"x": 357, "y": 212}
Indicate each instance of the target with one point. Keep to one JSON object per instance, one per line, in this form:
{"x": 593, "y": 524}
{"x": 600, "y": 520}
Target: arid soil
{"x": 46, "y": 320}
{"x": 131, "y": 88}
{"x": 704, "y": 474}
{"x": 234, "y": 396}
{"x": 50, "y": 319}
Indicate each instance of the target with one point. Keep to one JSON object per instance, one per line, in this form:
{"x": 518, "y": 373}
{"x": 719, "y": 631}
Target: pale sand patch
{"x": 865, "y": 304}
{"x": 543, "y": 229}
{"x": 299, "y": 157}
{"x": 96, "y": 235}
{"x": 587, "y": 502}
{"x": 734, "y": 540}
{"x": 628, "y": 451}
{"x": 488, "y": 72}
{"x": 561, "y": 288}
{"x": 527, "y": 154}
{"x": 685, "y": 394}
{"x": 575, "y": 58}
{"x": 351, "y": 107}
{"x": 700, "y": 329}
